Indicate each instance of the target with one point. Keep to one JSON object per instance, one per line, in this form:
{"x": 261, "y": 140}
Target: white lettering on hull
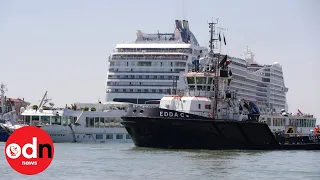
{"x": 314, "y": 138}
{"x": 173, "y": 114}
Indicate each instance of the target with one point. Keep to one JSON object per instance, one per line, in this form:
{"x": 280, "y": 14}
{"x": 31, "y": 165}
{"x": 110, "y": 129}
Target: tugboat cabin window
{"x": 210, "y": 80}
{"x": 199, "y": 106}
{"x": 201, "y": 80}
{"x": 190, "y": 80}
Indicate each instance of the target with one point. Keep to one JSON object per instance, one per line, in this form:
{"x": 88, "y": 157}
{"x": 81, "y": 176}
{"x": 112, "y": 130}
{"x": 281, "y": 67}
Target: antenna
{"x": 212, "y": 32}
{"x": 215, "y": 57}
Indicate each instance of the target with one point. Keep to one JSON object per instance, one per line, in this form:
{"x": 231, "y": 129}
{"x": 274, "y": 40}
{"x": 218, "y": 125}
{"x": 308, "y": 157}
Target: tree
{"x": 93, "y": 109}
{"x": 35, "y": 107}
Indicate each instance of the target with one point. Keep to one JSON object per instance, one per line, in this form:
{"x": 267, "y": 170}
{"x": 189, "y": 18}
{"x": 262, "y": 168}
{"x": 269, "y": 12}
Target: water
{"x": 124, "y": 161}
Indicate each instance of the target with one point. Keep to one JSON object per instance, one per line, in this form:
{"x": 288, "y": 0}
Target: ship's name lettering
{"x": 171, "y": 114}
{"x": 314, "y": 138}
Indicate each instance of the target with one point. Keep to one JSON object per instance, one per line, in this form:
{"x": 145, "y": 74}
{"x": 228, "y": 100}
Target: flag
{"x": 219, "y": 38}
{"x": 224, "y": 39}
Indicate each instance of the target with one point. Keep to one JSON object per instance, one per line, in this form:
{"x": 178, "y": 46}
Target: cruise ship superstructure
{"x": 151, "y": 66}
{"x": 263, "y": 84}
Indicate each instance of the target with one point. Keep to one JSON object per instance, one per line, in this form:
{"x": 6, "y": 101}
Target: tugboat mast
{"x": 215, "y": 57}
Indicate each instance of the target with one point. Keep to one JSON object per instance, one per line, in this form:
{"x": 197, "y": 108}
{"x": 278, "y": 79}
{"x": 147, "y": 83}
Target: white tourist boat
{"x": 83, "y": 122}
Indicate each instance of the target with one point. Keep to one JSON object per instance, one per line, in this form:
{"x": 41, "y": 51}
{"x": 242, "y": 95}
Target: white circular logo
{"x": 13, "y": 151}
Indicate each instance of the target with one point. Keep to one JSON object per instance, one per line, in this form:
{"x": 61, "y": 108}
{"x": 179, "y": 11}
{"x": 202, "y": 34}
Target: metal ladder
{"x": 73, "y": 133}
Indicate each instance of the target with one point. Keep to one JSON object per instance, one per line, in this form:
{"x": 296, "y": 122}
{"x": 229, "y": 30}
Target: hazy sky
{"x": 63, "y": 46}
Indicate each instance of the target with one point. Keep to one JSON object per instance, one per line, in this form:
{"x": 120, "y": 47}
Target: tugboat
{"x": 208, "y": 115}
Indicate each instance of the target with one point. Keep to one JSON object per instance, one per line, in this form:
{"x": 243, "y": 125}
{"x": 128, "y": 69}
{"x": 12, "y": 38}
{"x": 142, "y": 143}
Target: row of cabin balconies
{"x": 122, "y": 83}
{"x": 139, "y": 77}
{"x": 154, "y": 50}
{"x": 150, "y": 65}
{"x": 146, "y": 71}
{"x": 148, "y": 57}
{"x": 124, "y": 90}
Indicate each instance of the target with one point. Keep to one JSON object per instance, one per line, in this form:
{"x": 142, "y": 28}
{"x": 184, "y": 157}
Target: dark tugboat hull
{"x": 178, "y": 134}
{"x": 192, "y": 133}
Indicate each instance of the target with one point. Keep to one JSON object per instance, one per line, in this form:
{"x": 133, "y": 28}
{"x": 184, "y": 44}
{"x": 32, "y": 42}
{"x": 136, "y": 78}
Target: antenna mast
{"x": 212, "y": 33}
{"x": 215, "y": 57}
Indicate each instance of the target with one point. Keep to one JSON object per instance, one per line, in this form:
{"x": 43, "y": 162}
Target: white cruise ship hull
{"x": 80, "y": 134}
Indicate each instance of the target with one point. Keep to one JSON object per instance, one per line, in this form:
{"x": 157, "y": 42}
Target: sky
{"x": 63, "y": 46}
